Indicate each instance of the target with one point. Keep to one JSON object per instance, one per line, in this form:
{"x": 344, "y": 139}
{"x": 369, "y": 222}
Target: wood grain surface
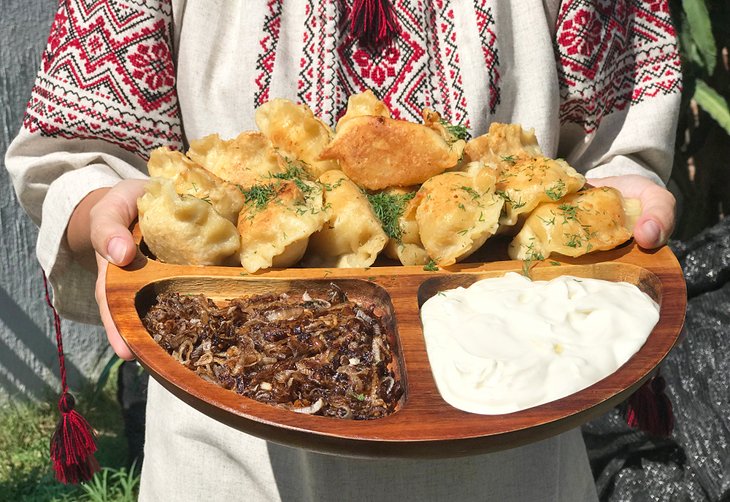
{"x": 424, "y": 424}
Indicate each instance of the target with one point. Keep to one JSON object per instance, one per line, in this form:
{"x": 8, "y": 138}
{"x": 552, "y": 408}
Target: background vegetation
{"x": 25, "y": 467}
{"x": 702, "y": 161}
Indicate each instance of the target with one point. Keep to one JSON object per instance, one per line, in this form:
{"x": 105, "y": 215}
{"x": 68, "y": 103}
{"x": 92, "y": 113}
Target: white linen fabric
{"x": 598, "y": 81}
{"x": 215, "y": 462}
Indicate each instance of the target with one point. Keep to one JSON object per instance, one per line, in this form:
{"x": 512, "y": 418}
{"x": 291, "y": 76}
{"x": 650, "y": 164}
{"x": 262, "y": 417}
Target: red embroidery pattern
{"x": 407, "y": 76}
{"x": 267, "y": 55}
{"x": 611, "y": 54}
{"x": 485, "y": 24}
{"x": 316, "y": 84}
{"x": 108, "y": 73}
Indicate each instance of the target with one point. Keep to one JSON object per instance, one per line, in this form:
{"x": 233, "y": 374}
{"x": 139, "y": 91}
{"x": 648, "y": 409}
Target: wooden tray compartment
{"x": 220, "y": 290}
{"x": 424, "y": 425}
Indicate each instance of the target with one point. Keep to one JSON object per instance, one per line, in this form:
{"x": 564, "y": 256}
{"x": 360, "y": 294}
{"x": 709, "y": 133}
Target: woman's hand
{"x": 100, "y": 225}
{"x": 656, "y": 222}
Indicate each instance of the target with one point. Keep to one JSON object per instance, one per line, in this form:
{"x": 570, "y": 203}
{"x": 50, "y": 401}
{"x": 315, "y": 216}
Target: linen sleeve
{"x": 103, "y": 98}
{"x": 620, "y": 87}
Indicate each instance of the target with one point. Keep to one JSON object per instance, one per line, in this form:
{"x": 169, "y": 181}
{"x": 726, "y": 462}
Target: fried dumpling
{"x": 353, "y": 236}
{"x": 189, "y": 178}
{"x": 364, "y": 103}
{"x": 527, "y": 180}
{"x": 182, "y": 229}
{"x": 296, "y": 133}
{"x": 377, "y": 152}
{"x": 457, "y": 212}
{"x": 397, "y": 211}
{"x": 501, "y": 143}
{"x": 594, "y": 219}
{"x": 276, "y": 222}
{"x": 246, "y": 160}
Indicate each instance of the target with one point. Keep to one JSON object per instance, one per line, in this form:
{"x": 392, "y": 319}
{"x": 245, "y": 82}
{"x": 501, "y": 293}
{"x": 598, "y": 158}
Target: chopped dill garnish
{"x": 509, "y": 158}
{"x": 304, "y": 187}
{"x": 293, "y": 171}
{"x": 388, "y": 207}
{"x": 474, "y": 194}
{"x": 569, "y": 212}
{"x": 258, "y": 195}
{"x": 531, "y": 256}
{"x": 515, "y": 204}
{"x": 573, "y": 241}
{"x": 556, "y": 191}
{"x": 554, "y": 263}
{"x": 545, "y": 221}
{"x": 458, "y": 131}
{"x": 430, "y": 266}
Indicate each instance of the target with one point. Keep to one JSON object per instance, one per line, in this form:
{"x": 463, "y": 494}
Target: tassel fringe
{"x": 650, "y": 410}
{"x": 373, "y": 23}
{"x": 73, "y": 445}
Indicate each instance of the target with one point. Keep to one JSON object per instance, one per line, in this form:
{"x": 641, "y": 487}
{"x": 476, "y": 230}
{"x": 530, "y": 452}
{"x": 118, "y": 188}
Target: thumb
{"x": 110, "y": 219}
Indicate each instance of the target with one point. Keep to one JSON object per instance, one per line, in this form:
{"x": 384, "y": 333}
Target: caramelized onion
{"x": 330, "y": 352}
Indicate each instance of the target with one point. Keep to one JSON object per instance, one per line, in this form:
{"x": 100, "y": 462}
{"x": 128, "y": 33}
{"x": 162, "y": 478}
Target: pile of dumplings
{"x": 297, "y": 192}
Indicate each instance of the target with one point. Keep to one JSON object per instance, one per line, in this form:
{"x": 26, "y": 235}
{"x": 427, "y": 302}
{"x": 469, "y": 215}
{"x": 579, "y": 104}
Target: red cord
{"x": 73, "y": 442}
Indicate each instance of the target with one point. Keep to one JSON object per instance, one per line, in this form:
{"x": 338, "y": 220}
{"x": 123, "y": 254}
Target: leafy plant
{"x": 701, "y": 171}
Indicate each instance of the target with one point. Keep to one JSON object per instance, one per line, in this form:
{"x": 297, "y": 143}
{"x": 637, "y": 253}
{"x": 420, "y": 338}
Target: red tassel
{"x": 73, "y": 445}
{"x": 73, "y": 442}
{"x": 650, "y": 410}
{"x": 373, "y": 23}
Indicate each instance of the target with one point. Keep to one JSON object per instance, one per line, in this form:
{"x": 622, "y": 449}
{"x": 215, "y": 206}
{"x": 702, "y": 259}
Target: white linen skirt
{"x": 191, "y": 457}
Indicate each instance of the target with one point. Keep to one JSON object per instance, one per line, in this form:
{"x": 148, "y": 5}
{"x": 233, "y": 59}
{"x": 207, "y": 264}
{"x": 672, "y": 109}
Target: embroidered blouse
{"x": 599, "y": 82}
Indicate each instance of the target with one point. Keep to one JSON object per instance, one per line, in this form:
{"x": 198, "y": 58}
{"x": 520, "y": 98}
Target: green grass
{"x": 26, "y": 473}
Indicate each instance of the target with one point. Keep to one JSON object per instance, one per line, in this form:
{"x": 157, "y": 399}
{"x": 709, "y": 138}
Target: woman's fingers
{"x": 656, "y": 222}
{"x": 110, "y": 219}
{"x": 112, "y": 333}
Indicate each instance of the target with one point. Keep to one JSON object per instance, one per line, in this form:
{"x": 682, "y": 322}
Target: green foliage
{"x": 701, "y": 171}
{"x": 713, "y": 103}
{"x": 25, "y": 467}
{"x": 699, "y": 51}
{"x": 698, "y": 37}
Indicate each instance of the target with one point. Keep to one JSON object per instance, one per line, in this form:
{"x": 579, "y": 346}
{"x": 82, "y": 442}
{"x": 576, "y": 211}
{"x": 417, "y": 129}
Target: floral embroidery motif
{"x": 107, "y": 73}
{"x": 613, "y": 54}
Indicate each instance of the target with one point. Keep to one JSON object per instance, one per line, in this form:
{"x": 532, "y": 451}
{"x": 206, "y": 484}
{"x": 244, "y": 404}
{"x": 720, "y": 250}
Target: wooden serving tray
{"x": 424, "y": 425}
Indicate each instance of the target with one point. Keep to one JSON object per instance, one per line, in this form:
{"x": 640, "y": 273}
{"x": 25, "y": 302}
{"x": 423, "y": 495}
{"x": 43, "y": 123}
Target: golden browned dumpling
{"x": 182, "y": 229}
{"x": 457, "y": 212}
{"x": 297, "y": 133}
{"x": 594, "y": 219}
{"x": 527, "y": 180}
{"x": 276, "y": 222}
{"x": 501, "y": 142}
{"x": 353, "y": 236}
{"x": 246, "y": 160}
{"x": 190, "y": 179}
{"x": 405, "y": 245}
{"x": 379, "y": 152}
{"x": 364, "y": 103}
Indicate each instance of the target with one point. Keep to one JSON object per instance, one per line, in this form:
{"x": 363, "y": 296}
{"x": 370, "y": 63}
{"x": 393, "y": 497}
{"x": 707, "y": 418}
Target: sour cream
{"x": 509, "y": 343}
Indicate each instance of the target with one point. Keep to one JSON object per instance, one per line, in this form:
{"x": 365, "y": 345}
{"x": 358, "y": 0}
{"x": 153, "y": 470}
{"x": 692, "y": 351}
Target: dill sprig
{"x": 258, "y": 195}
{"x": 293, "y": 172}
{"x": 458, "y": 131}
{"x": 388, "y": 207}
{"x": 556, "y": 191}
{"x": 430, "y": 266}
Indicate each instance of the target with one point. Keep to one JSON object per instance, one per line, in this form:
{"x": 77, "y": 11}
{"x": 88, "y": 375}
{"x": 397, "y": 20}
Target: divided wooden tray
{"x": 424, "y": 425}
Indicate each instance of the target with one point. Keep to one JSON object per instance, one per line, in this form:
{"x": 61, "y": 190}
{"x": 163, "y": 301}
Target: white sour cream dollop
{"x": 509, "y": 343}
